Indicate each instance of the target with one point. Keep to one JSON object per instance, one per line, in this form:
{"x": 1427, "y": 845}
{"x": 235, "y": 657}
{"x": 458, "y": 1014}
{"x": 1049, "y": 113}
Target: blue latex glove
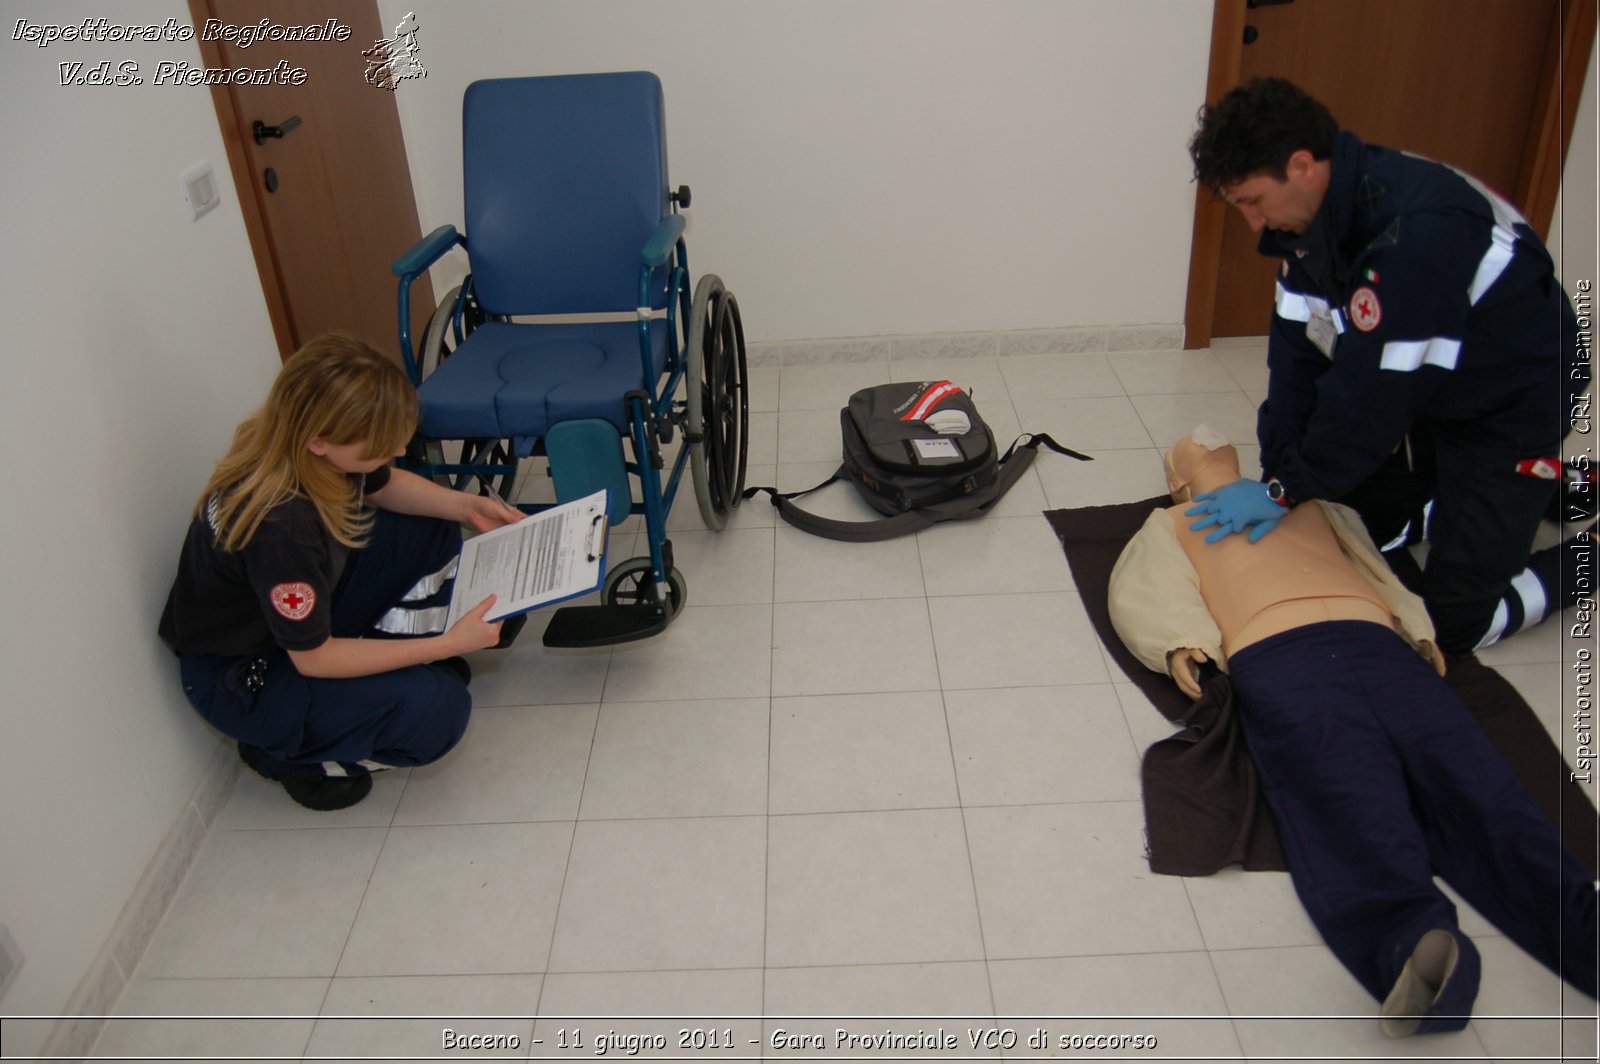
{"x": 1237, "y": 507}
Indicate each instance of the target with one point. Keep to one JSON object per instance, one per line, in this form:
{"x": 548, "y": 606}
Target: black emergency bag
{"x": 920, "y": 453}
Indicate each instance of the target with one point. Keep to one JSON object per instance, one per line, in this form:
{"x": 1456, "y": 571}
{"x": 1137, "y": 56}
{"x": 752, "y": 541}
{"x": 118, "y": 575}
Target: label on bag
{"x": 933, "y": 450}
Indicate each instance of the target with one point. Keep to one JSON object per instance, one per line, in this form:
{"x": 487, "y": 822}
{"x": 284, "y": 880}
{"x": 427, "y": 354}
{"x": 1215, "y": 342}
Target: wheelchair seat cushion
{"x": 514, "y": 381}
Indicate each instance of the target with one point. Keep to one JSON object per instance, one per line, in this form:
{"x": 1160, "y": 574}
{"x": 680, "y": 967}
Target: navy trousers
{"x": 299, "y": 726}
{"x": 1481, "y": 530}
{"x": 1379, "y": 778}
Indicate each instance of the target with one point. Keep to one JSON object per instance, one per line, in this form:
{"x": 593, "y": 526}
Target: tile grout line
{"x": 355, "y": 915}
{"x": 566, "y": 869}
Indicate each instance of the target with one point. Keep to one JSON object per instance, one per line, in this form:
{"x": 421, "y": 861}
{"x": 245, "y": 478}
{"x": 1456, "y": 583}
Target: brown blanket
{"x": 1203, "y": 806}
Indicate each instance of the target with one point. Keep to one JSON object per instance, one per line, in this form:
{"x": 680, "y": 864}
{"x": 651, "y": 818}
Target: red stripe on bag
{"x": 928, "y": 400}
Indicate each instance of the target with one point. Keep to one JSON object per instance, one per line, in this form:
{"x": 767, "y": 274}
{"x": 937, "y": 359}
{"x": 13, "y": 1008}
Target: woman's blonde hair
{"x": 337, "y": 389}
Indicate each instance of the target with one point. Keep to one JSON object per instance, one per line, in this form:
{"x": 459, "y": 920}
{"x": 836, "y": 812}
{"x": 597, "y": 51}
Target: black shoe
{"x": 509, "y": 628}
{"x": 327, "y": 793}
{"x": 249, "y": 756}
{"x": 458, "y": 666}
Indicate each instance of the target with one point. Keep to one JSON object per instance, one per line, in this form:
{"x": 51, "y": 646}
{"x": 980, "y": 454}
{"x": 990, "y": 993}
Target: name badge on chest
{"x": 1321, "y": 330}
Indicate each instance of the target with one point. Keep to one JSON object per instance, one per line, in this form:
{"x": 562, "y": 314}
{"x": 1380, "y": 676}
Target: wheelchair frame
{"x": 714, "y": 415}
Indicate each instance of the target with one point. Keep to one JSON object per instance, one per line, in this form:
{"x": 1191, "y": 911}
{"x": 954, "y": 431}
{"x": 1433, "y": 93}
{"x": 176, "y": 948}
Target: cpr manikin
{"x": 1377, "y": 775}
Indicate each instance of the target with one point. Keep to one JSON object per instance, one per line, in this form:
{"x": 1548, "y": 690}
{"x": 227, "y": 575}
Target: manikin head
{"x": 1203, "y": 459}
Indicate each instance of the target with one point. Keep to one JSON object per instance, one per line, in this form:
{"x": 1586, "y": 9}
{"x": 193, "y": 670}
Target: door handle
{"x": 1252, "y": 4}
{"x": 261, "y": 131}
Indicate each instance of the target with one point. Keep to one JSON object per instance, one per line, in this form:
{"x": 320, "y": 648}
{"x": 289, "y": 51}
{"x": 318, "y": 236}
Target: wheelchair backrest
{"x": 565, "y": 180}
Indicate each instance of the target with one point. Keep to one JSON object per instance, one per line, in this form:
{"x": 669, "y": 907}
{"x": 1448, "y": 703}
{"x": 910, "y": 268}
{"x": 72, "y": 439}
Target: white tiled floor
{"x": 893, "y": 780}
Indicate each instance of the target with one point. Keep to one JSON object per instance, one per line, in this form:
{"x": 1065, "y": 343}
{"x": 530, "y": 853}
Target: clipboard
{"x": 548, "y": 557}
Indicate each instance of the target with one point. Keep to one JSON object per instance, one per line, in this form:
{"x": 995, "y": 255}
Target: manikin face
{"x": 1204, "y": 449}
{"x": 1287, "y": 205}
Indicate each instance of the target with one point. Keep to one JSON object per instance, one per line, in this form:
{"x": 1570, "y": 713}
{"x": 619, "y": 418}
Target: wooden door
{"x": 329, "y": 204}
{"x": 1473, "y": 83}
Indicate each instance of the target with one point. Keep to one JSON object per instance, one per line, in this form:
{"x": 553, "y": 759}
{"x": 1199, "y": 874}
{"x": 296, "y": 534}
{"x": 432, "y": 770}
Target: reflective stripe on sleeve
{"x": 1408, "y": 355}
{"x": 1292, "y": 306}
{"x": 1297, "y": 306}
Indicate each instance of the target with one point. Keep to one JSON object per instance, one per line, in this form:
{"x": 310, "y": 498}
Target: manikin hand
{"x": 1183, "y": 665}
{"x": 1235, "y": 507}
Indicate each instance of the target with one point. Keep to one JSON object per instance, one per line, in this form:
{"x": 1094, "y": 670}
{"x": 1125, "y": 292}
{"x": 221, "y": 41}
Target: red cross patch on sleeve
{"x": 1365, "y": 313}
{"x": 294, "y": 601}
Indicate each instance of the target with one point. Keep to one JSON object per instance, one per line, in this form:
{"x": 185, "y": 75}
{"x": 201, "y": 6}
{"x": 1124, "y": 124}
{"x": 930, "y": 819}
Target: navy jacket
{"x": 1442, "y": 308}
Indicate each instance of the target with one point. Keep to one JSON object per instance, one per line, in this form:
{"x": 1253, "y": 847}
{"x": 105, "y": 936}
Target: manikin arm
{"x": 1184, "y": 668}
{"x": 1155, "y": 601}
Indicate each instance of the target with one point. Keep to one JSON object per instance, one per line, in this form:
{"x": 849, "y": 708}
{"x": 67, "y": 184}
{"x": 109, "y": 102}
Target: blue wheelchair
{"x": 576, "y": 329}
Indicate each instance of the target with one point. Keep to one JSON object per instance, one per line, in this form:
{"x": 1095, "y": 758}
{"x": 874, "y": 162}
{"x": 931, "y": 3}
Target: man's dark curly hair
{"x": 1254, "y": 129}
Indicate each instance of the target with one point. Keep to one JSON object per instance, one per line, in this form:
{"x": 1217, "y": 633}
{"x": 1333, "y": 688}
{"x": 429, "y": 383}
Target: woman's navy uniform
{"x": 232, "y": 616}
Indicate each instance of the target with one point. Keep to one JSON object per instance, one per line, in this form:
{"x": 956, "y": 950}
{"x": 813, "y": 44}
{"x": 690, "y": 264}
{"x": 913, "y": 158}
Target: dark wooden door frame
{"x": 244, "y": 182}
{"x": 1538, "y": 185}
{"x": 243, "y": 164}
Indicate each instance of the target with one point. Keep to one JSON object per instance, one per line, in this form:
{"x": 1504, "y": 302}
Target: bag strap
{"x": 830, "y": 528}
{"x": 1018, "y": 457}
{"x": 1035, "y": 441}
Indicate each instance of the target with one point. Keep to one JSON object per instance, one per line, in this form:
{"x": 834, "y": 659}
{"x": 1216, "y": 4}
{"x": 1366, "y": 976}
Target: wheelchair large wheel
{"x": 718, "y": 407}
{"x": 438, "y": 343}
{"x": 633, "y": 584}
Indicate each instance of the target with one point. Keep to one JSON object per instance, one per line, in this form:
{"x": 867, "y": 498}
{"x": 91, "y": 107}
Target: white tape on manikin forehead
{"x": 1208, "y": 437}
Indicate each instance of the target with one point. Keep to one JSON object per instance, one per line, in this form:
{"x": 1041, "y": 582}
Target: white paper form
{"x": 546, "y": 557}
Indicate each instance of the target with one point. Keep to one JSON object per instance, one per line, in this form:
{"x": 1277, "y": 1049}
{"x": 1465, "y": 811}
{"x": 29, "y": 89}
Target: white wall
{"x": 878, "y": 166}
{"x": 135, "y": 340}
{"x": 1575, "y": 230}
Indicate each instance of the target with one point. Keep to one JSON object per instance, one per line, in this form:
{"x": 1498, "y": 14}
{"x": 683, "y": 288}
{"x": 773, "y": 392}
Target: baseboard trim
{"x": 75, "y": 1033}
{"x": 941, "y": 346}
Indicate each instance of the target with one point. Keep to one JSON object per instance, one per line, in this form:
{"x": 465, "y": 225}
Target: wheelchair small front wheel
{"x": 718, "y": 401}
{"x": 633, "y": 583}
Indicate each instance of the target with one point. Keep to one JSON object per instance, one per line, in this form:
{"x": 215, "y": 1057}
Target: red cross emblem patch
{"x": 1365, "y": 313}
{"x": 294, "y": 601}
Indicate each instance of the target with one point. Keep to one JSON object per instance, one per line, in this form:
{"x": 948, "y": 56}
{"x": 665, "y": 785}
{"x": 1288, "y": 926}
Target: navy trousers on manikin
{"x": 299, "y": 726}
{"x": 1378, "y": 778}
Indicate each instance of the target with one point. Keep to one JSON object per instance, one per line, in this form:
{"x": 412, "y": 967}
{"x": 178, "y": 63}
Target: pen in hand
{"x": 488, "y": 489}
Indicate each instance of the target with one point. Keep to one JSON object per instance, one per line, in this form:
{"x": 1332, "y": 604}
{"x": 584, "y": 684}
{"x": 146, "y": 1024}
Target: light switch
{"x": 200, "y": 192}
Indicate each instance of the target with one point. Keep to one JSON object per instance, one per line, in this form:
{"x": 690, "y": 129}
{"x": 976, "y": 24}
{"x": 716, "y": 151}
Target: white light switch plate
{"x": 200, "y": 192}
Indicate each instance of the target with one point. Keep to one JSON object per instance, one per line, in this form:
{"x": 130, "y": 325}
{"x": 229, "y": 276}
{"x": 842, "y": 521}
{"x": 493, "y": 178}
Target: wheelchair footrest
{"x": 599, "y": 626}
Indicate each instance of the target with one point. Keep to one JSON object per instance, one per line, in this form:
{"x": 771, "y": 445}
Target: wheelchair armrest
{"x": 663, "y": 240}
{"x": 426, "y": 252}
